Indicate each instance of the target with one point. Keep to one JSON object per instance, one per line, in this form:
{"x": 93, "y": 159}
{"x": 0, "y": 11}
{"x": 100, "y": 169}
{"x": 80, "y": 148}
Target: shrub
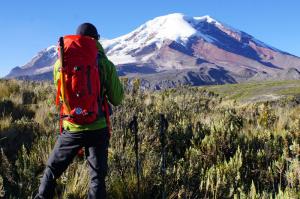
{"x": 28, "y": 97}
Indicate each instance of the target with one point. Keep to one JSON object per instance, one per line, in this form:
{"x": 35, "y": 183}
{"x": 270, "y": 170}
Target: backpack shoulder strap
{"x": 102, "y": 74}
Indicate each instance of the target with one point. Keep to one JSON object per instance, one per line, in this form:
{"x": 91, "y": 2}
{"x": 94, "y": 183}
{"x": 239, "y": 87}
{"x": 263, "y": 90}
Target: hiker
{"x": 81, "y": 128}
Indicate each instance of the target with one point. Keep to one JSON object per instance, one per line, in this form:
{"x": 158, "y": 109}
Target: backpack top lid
{"x": 79, "y": 46}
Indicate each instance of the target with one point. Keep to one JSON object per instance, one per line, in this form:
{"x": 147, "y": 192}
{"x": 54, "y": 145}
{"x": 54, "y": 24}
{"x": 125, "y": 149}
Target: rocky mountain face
{"x": 176, "y": 50}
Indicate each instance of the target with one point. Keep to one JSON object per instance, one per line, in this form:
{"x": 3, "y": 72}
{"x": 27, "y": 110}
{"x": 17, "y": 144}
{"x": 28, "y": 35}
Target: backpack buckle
{"x": 78, "y": 111}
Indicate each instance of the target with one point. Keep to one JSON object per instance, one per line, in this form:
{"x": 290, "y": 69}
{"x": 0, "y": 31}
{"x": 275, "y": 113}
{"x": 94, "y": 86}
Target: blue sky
{"x": 30, "y": 26}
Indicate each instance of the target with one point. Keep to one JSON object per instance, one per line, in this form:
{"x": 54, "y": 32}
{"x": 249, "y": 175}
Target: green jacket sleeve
{"x": 112, "y": 85}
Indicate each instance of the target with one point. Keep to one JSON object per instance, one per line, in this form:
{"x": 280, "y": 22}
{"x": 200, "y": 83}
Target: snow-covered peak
{"x": 44, "y": 56}
{"x": 142, "y": 43}
{"x": 207, "y": 19}
{"x": 175, "y": 27}
{"x": 51, "y": 48}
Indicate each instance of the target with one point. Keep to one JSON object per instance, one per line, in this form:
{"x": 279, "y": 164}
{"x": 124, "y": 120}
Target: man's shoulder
{"x": 100, "y": 48}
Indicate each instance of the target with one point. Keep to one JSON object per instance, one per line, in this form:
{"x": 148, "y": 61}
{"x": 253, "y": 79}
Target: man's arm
{"x": 113, "y": 85}
{"x": 109, "y": 77}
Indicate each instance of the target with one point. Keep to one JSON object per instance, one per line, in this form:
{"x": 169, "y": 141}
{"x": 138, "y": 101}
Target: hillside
{"x": 259, "y": 91}
{"x": 222, "y": 142}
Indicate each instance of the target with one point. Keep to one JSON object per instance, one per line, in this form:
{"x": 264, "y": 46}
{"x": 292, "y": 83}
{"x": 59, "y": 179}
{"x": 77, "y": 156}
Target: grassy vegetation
{"x": 222, "y": 142}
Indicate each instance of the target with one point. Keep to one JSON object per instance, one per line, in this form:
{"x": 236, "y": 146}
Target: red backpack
{"x": 79, "y": 82}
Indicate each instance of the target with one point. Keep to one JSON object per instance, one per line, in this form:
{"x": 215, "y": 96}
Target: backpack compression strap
{"x": 61, "y": 86}
{"x": 62, "y": 76}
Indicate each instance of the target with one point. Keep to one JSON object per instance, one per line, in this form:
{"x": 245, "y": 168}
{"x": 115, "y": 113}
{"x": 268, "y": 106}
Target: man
{"x": 94, "y": 137}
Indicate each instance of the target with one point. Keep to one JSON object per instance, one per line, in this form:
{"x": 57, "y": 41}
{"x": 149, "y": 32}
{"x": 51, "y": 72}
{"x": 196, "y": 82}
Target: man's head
{"x": 88, "y": 29}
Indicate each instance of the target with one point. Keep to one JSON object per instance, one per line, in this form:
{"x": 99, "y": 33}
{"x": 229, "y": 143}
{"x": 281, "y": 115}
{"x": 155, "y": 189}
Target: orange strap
{"x": 67, "y": 108}
{"x": 57, "y": 101}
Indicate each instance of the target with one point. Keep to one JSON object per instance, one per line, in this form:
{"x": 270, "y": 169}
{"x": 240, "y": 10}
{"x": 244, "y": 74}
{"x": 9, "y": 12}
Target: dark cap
{"x": 87, "y": 29}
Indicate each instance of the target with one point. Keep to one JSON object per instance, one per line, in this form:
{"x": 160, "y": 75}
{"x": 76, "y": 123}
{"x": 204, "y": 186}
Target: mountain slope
{"x": 40, "y": 64}
{"x": 177, "y": 49}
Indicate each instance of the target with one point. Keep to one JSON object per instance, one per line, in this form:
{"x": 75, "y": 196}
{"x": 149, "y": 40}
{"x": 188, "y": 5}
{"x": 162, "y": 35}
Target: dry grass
{"x": 8, "y": 87}
{"x": 4, "y": 91}
{"x": 5, "y": 123}
{"x": 2, "y": 191}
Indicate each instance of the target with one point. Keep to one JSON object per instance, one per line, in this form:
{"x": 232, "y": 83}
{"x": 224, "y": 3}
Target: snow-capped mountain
{"x": 178, "y": 49}
{"x": 40, "y": 64}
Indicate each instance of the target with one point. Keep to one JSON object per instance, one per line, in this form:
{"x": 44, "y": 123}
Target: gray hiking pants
{"x": 66, "y": 148}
